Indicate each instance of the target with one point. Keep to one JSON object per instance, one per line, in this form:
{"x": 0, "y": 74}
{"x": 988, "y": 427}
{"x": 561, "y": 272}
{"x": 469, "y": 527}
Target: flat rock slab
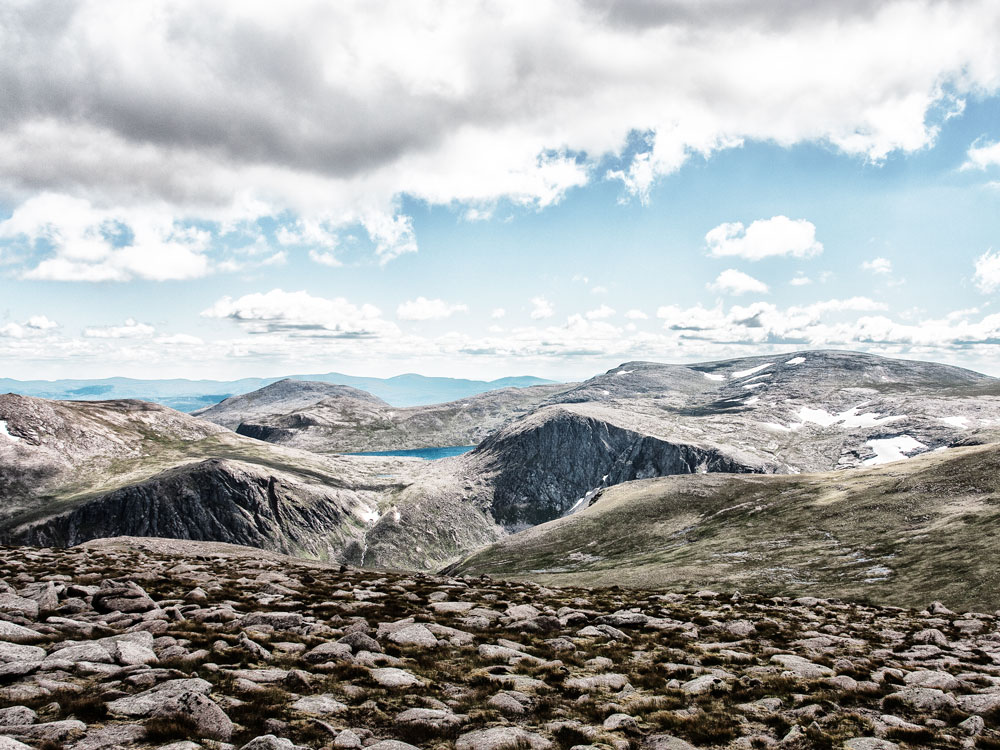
{"x": 14, "y": 633}
{"x": 414, "y": 635}
{"x": 501, "y": 738}
{"x": 395, "y": 678}
{"x": 319, "y": 705}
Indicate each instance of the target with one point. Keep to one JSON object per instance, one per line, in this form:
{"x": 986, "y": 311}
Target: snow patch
{"x": 395, "y": 515}
{"x": 752, "y": 400}
{"x": 751, "y": 371}
{"x": 754, "y": 385}
{"x": 714, "y": 376}
{"x": 368, "y": 515}
{"x": 796, "y": 361}
{"x": 960, "y": 422}
{"x": 606, "y": 393}
{"x": 775, "y": 427}
{"x": 624, "y": 372}
{"x": 892, "y": 449}
{"x": 6, "y": 433}
{"x": 846, "y": 419}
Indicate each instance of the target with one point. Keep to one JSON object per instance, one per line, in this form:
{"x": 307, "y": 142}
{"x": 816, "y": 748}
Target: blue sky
{"x": 219, "y": 190}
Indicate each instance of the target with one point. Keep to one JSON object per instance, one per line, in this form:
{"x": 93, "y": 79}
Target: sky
{"x": 486, "y": 189}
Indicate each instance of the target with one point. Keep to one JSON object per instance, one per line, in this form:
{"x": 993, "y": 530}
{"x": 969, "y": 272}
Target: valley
{"x": 649, "y": 475}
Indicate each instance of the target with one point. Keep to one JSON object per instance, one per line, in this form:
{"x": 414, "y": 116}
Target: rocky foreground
{"x": 181, "y": 645}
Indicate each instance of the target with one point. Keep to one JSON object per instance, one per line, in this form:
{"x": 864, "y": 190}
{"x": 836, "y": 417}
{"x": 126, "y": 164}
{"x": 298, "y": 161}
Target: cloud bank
{"x": 171, "y": 120}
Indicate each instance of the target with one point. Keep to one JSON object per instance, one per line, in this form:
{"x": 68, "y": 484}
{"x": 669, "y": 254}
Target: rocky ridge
{"x": 147, "y": 643}
{"x": 73, "y": 471}
{"x": 345, "y": 423}
{"x": 281, "y": 397}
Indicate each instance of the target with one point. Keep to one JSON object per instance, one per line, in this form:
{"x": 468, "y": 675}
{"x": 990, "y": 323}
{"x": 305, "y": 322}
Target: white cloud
{"x": 90, "y": 244}
{"x": 498, "y": 312}
{"x": 983, "y": 154}
{"x": 878, "y": 265}
{"x": 179, "y": 339}
{"x": 301, "y": 314}
{"x": 636, "y": 315}
{"x": 778, "y": 235}
{"x": 541, "y": 308}
{"x": 34, "y": 327}
{"x": 800, "y": 280}
{"x": 324, "y": 259}
{"x": 422, "y": 308}
{"x": 987, "y": 274}
{"x": 132, "y": 329}
{"x": 462, "y": 104}
{"x": 41, "y": 323}
{"x": 599, "y": 289}
{"x": 736, "y": 282}
{"x": 601, "y": 313}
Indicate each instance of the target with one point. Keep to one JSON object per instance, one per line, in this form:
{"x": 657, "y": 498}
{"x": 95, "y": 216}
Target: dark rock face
{"x": 541, "y": 473}
{"x": 264, "y": 432}
{"x": 215, "y": 500}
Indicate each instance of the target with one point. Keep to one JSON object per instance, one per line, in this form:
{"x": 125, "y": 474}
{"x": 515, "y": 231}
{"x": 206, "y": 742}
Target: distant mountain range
{"x": 190, "y": 395}
{"x": 784, "y": 488}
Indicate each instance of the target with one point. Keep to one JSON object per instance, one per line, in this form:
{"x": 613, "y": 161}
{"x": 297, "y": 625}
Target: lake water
{"x": 429, "y": 454}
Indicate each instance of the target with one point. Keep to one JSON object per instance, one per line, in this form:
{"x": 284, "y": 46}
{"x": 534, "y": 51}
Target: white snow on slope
{"x": 846, "y": 419}
{"x": 752, "y": 400}
{"x": 775, "y": 427}
{"x": 624, "y": 372}
{"x": 751, "y": 371}
{"x": 368, "y": 515}
{"x": 6, "y": 433}
{"x": 960, "y": 422}
{"x": 796, "y": 361}
{"x": 713, "y": 376}
{"x": 888, "y": 450}
{"x": 754, "y": 385}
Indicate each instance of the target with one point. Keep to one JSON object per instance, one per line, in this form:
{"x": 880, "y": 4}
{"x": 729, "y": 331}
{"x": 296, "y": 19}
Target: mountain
{"x": 76, "y": 470}
{"x": 284, "y": 396}
{"x": 807, "y": 412}
{"x": 190, "y": 395}
{"x": 902, "y": 534}
{"x": 73, "y": 471}
{"x": 315, "y": 417}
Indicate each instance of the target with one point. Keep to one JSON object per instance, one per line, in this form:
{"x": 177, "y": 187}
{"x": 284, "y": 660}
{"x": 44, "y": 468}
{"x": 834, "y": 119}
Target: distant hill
{"x": 190, "y": 395}
{"x": 326, "y": 418}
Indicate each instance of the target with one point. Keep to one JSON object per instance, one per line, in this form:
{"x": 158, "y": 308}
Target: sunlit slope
{"x": 904, "y": 533}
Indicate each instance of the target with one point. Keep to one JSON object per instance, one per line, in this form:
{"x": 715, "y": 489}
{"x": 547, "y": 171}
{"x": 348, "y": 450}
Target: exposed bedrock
{"x": 542, "y": 469}
{"x": 215, "y": 500}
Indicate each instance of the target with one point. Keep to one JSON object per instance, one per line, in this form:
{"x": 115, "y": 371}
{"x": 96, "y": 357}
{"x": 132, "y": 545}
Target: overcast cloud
{"x": 153, "y": 142}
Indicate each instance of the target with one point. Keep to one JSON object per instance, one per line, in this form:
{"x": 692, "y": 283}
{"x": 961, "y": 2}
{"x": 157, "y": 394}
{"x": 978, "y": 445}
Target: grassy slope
{"x": 904, "y": 533}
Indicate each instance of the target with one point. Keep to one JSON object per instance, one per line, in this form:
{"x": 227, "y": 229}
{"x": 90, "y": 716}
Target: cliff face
{"x": 544, "y": 468}
{"x": 215, "y": 500}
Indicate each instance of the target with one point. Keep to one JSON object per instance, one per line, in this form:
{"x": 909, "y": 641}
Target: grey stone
{"x": 319, "y": 705}
{"x": 392, "y": 677}
{"x": 501, "y": 738}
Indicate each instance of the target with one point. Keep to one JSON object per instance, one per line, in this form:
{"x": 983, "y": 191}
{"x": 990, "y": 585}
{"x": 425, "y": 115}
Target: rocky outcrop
{"x": 215, "y": 500}
{"x": 556, "y": 461}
